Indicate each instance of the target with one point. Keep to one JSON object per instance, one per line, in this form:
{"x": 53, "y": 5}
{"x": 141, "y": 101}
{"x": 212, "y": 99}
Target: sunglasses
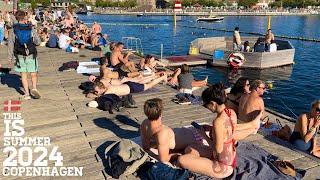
{"x": 264, "y": 88}
{"x": 248, "y": 84}
{"x": 318, "y": 110}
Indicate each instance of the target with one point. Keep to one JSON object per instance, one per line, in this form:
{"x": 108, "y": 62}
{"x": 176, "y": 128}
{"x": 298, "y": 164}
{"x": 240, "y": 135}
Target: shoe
{"x": 35, "y": 93}
{"x": 25, "y": 97}
{"x": 184, "y": 101}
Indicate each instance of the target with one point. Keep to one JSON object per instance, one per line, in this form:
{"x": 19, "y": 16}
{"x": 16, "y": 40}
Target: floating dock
{"x": 83, "y": 133}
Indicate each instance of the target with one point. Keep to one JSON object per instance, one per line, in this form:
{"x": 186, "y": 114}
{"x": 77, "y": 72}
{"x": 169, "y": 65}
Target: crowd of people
{"x": 239, "y": 113}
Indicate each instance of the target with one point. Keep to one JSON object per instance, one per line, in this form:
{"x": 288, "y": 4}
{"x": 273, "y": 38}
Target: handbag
{"x": 284, "y": 133}
{"x": 285, "y": 167}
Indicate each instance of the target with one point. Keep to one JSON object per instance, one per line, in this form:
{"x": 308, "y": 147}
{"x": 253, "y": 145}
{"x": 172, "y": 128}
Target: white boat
{"x": 211, "y": 19}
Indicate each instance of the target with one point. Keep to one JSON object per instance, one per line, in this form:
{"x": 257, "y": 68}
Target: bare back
{"x": 249, "y": 107}
{"x": 115, "y": 58}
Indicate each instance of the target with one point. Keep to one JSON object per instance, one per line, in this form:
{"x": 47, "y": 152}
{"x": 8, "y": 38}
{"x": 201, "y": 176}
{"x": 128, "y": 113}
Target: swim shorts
{"x": 135, "y": 87}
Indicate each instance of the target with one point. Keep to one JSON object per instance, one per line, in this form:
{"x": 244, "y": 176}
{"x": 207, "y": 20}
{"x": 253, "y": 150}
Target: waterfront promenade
{"x": 82, "y": 133}
{"x": 206, "y": 12}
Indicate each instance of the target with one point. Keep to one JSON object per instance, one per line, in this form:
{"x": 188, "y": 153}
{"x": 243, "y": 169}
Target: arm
{"x": 145, "y": 142}
{"x": 163, "y": 147}
{"x": 125, "y": 59}
{"x": 160, "y": 63}
{"x": 306, "y": 133}
{"x": 218, "y": 123}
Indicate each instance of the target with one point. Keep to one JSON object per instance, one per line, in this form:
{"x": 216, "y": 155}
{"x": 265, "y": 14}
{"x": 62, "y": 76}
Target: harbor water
{"x": 293, "y": 87}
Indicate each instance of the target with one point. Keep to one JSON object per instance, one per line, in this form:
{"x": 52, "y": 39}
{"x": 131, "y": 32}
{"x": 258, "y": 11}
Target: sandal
{"x": 35, "y": 93}
{"x": 25, "y": 97}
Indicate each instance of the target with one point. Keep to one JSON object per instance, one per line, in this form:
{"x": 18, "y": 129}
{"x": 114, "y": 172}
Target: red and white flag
{"x": 12, "y": 105}
{"x": 177, "y": 6}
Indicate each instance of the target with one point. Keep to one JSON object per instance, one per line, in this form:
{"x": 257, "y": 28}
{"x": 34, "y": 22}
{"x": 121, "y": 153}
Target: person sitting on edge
{"x": 127, "y": 87}
{"x": 218, "y": 159}
{"x": 245, "y": 47}
{"x": 149, "y": 63}
{"x": 169, "y": 142}
{"x": 273, "y": 46}
{"x": 186, "y": 80}
{"x": 118, "y": 59}
{"x": 236, "y": 39}
{"x": 252, "y": 103}
{"x": 305, "y": 130}
{"x": 242, "y": 86}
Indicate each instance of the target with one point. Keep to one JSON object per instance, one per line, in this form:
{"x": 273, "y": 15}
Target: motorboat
{"x": 211, "y": 19}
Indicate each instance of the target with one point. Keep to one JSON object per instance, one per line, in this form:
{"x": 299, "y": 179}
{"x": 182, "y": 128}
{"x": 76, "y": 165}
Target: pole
{"x": 161, "y": 51}
{"x": 269, "y": 22}
{"x": 174, "y": 19}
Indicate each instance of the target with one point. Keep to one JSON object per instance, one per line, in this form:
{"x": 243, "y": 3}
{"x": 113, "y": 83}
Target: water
{"x": 295, "y": 86}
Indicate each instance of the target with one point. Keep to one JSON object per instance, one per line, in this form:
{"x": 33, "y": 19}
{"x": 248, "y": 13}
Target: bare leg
{"x": 133, "y": 74}
{"x": 204, "y": 166}
{"x": 174, "y": 79}
{"x": 155, "y": 82}
{"x": 34, "y": 79}
{"x": 24, "y": 80}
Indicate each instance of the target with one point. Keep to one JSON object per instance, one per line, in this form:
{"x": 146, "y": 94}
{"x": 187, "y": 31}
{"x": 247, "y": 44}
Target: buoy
{"x": 270, "y": 85}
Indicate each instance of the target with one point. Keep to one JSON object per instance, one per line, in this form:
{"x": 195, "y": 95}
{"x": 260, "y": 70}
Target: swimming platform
{"x": 83, "y": 133}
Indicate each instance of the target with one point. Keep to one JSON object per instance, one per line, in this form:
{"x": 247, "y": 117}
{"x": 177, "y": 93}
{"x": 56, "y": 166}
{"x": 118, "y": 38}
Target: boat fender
{"x": 235, "y": 60}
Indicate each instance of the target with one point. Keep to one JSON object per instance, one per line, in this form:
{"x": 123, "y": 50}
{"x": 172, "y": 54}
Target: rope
{"x": 255, "y": 33}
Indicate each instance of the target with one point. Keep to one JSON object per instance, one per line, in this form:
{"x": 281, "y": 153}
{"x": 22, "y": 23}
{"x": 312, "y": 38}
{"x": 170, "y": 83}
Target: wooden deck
{"x": 82, "y": 133}
{"x": 191, "y": 60}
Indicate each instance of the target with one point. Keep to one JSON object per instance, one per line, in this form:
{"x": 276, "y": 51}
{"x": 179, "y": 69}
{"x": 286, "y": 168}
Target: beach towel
{"x": 255, "y": 163}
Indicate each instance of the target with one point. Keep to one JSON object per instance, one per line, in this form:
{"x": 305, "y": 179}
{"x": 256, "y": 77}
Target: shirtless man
{"x": 118, "y": 59}
{"x": 126, "y": 88}
{"x": 269, "y": 37}
{"x": 252, "y": 103}
{"x": 236, "y": 39}
{"x": 96, "y": 28}
{"x": 169, "y": 142}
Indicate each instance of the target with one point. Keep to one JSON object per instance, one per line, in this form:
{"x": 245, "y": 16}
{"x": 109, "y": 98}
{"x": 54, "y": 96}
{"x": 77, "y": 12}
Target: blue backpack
{"x": 24, "y": 44}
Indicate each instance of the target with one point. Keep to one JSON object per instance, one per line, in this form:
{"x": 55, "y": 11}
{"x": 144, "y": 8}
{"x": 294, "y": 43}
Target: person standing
{"x": 236, "y": 39}
{"x": 24, "y": 40}
{"x": 268, "y": 38}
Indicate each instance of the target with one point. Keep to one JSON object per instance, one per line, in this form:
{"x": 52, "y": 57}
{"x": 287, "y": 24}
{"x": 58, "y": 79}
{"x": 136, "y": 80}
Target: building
{"x": 264, "y": 3}
{"x": 147, "y": 3}
{"x": 60, "y": 3}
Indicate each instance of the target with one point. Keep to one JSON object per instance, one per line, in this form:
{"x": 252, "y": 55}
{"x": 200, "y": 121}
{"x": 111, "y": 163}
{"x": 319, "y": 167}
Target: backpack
{"x": 24, "y": 44}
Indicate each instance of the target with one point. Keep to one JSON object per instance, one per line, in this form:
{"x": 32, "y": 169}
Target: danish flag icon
{"x": 11, "y": 105}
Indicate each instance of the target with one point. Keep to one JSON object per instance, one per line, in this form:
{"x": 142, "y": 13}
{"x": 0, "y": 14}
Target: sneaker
{"x": 35, "y": 93}
{"x": 25, "y": 97}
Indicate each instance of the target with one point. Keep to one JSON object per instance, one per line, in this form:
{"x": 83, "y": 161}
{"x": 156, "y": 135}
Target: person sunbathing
{"x": 118, "y": 60}
{"x": 127, "y": 87}
{"x": 240, "y": 87}
{"x": 305, "y": 130}
{"x": 169, "y": 142}
{"x": 218, "y": 159}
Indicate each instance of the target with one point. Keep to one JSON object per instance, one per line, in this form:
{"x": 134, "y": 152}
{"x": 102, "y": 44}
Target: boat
{"x": 84, "y": 9}
{"x": 211, "y": 19}
{"x": 219, "y": 52}
{"x": 140, "y": 14}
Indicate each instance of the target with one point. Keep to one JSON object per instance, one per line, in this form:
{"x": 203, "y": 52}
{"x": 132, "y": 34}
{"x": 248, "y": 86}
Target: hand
{"x": 317, "y": 123}
{"x": 129, "y": 53}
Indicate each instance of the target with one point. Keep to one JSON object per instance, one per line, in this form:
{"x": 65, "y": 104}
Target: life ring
{"x": 235, "y": 60}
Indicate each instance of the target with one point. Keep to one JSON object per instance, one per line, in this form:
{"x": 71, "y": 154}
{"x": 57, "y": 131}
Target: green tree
{"x": 247, "y": 3}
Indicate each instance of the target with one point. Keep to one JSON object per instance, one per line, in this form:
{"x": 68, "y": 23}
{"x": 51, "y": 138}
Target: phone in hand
{"x": 196, "y": 125}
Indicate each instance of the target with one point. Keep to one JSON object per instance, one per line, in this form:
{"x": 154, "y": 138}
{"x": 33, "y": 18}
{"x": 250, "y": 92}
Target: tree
{"x": 247, "y": 3}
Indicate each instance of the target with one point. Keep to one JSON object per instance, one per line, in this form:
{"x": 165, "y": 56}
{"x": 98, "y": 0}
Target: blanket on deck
{"x": 254, "y": 163}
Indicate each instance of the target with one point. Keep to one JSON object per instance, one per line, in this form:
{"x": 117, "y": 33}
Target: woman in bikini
{"x": 305, "y": 130}
{"x": 240, "y": 87}
{"x": 218, "y": 159}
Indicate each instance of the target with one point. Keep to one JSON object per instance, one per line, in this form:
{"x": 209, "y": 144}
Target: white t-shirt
{"x": 273, "y": 47}
{"x": 63, "y": 44}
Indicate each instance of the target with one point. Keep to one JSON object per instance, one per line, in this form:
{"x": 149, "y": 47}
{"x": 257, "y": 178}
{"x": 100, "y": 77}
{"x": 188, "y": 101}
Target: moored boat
{"x": 221, "y": 54}
{"x": 210, "y": 19}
